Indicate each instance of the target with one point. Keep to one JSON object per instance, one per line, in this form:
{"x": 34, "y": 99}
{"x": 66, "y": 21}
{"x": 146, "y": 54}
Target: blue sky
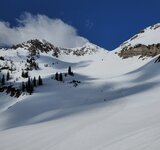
{"x": 106, "y": 23}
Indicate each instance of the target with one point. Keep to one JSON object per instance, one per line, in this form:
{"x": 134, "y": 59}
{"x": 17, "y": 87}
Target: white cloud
{"x": 41, "y": 27}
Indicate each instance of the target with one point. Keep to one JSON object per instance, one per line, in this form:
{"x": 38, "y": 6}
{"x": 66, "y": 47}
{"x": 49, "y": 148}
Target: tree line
{"x": 25, "y": 86}
{"x": 59, "y": 76}
{"x": 31, "y": 84}
{"x": 4, "y": 78}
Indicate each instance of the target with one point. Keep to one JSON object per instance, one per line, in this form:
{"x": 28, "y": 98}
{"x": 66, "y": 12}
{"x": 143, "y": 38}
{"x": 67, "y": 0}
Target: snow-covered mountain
{"x": 35, "y": 46}
{"x": 148, "y": 36}
{"x": 145, "y": 43}
{"x": 102, "y": 102}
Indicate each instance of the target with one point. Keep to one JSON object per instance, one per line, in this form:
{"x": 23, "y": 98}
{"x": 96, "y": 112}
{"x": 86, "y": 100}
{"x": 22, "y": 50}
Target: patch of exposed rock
{"x": 140, "y": 50}
{"x": 35, "y": 46}
{"x": 80, "y": 51}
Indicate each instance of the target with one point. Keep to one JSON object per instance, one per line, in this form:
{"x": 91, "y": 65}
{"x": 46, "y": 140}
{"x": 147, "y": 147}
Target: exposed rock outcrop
{"x": 140, "y": 50}
{"x": 35, "y": 46}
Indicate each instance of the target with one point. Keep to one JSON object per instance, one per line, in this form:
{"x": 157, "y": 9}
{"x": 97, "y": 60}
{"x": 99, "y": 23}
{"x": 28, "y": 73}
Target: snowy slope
{"x": 148, "y": 36}
{"x": 115, "y": 106}
{"x": 110, "y": 113}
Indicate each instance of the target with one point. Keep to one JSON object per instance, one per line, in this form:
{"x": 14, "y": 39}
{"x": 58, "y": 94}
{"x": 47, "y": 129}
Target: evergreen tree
{"x": 34, "y": 82}
{"x": 18, "y": 93}
{"x": 23, "y": 87}
{"x": 24, "y": 74}
{"x": 36, "y": 66}
{"x": 8, "y": 76}
{"x": 56, "y": 76}
{"x": 40, "y": 80}
{"x": 70, "y": 71}
{"x": 28, "y": 85}
{"x": 60, "y": 77}
{"x": 8, "y": 89}
{"x": 12, "y": 91}
{"x": 3, "y": 80}
{"x": 29, "y": 81}
{"x": 31, "y": 89}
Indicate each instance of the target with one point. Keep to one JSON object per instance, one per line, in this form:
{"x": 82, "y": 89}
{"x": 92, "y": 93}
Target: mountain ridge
{"x": 98, "y": 99}
{"x": 36, "y": 45}
{"x": 144, "y": 44}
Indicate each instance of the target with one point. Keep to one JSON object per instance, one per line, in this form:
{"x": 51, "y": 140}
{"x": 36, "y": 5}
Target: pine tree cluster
{"x": 24, "y": 74}
{"x": 25, "y": 87}
{"x": 59, "y": 76}
{"x": 3, "y": 79}
{"x": 9, "y": 89}
{"x": 30, "y": 84}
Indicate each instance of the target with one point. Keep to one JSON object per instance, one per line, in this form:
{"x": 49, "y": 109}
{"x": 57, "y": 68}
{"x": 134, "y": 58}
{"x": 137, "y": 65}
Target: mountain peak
{"x": 35, "y": 46}
{"x": 147, "y": 36}
{"x": 145, "y": 43}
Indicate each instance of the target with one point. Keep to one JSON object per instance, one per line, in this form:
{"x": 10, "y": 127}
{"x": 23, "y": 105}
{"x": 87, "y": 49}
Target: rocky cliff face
{"x": 140, "y": 50}
{"x": 35, "y": 46}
